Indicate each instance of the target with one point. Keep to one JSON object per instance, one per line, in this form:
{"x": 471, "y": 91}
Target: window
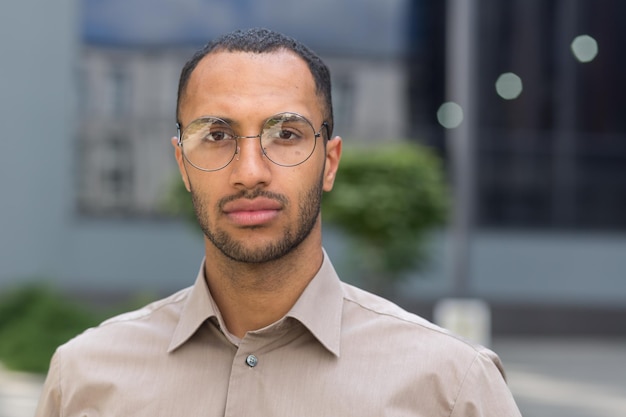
{"x": 125, "y": 162}
{"x": 106, "y": 184}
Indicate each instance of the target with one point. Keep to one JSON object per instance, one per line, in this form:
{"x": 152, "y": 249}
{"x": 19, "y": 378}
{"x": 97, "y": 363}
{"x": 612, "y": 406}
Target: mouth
{"x": 255, "y": 212}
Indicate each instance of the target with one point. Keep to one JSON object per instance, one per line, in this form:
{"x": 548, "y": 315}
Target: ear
{"x": 333, "y": 155}
{"x": 180, "y": 160}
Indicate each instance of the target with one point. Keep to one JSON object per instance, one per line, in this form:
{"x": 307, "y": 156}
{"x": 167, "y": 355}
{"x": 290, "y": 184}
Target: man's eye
{"x": 217, "y": 136}
{"x": 287, "y": 135}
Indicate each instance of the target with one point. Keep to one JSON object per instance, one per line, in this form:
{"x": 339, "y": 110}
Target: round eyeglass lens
{"x": 288, "y": 139}
{"x": 209, "y": 143}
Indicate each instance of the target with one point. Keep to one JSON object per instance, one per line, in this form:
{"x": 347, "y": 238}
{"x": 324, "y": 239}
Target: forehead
{"x": 243, "y": 83}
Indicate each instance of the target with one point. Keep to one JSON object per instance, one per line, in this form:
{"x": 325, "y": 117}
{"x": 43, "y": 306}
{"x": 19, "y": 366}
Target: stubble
{"x": 293, "y": 233}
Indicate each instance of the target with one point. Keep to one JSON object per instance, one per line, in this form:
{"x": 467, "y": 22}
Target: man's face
{"x": 254, "y": 210}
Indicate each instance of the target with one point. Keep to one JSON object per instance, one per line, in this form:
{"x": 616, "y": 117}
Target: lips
{"x": 256, "y": 212}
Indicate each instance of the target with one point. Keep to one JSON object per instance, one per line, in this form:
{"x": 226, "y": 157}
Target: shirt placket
{"x": 246, "y": 382}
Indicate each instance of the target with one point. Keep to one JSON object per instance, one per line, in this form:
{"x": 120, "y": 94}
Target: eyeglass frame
{"x": 316, "y": 135}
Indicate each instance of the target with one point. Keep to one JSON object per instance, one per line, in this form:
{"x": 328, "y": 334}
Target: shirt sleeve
{"x": 484, "y": 392}
{"x": 50, "y": 401}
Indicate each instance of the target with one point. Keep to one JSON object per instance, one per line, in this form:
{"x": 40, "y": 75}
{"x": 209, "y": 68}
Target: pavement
{"x": 19, "y": 393}
{"x": 566, "y": 377}
{"x": 548, "y": 377}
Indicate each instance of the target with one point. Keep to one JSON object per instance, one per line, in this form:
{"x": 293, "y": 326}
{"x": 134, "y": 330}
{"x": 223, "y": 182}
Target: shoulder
{"x": 378, "y": 310}
{"x": 366, "y": 303}
{"x": 464, "y": 375}
{"x": 149, "y": 324}
{"x": 398, "y": 330}
{"x": 156, "y": 309}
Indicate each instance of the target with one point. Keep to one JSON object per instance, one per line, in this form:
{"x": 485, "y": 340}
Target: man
{"x": 267, "y": 329}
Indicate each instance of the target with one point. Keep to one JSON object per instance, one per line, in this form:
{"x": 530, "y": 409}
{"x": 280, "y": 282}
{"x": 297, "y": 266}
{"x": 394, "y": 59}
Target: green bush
{"x": 177, "y": 201}
{"x": 34, "y": 320}
{"x": 387, "y": 199}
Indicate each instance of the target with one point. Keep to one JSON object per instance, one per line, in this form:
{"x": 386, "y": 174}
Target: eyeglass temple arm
{"x": 325, "y": 125}
{"x": 179, "y": 133}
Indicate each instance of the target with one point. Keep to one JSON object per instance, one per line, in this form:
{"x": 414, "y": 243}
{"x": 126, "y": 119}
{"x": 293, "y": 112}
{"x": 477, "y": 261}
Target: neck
{"x": 253, "y": 296}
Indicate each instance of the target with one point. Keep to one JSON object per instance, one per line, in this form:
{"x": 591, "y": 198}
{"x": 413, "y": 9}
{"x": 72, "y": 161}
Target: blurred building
{"x": 550, "y": 180}
{"x": 44, "y": 233}
{"x": 82, "y": 197}
{"x": 87, "y": 105}
{"x": 554, "y": 158}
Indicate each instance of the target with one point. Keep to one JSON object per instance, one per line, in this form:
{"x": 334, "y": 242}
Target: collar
{"x": 198, "y": 308}
{"x": 318, "y": 308}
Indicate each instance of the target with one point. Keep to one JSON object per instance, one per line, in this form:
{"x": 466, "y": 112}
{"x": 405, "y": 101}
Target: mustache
{"x": 251, "y": 195}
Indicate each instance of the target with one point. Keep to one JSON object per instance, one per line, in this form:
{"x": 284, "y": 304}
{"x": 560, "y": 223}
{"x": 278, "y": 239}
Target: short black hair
{"x": 260, "y": 40}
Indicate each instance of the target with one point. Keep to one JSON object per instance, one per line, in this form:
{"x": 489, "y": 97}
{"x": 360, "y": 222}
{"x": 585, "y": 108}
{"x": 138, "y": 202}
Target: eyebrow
{"x": 235, "y": 123}
{"x": 228, "y": 120}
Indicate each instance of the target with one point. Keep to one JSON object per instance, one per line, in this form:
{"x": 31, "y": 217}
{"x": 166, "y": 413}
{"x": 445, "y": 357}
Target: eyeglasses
{"x": 210, "y": 143}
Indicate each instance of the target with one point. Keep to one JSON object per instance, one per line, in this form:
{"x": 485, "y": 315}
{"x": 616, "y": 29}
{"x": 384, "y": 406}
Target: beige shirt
{"x": 340, "y": 351}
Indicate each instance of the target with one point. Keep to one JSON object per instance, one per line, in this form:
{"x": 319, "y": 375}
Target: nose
{"x": 250, "y": 168}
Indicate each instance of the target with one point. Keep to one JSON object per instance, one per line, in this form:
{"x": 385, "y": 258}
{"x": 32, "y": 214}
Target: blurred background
{"x": 518, "y": 102}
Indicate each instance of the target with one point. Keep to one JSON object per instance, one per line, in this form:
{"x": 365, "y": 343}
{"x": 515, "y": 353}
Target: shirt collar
{"x": 197, "y": 309}
{"x": 323, "y": 322}
{"x": 320, "y": 306}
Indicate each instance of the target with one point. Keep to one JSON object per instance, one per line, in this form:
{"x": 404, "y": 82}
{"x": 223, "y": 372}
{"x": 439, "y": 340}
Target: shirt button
{"x": 252, "y": 361}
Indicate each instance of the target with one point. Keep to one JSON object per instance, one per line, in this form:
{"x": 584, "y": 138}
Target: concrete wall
{"x": 38, "y": 42}
{"x": 584, "y": 269}
{"x": 41, "y": 235}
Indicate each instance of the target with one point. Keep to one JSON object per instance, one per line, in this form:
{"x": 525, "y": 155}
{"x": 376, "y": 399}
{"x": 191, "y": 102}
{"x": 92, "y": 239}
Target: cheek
{"x": 203, "y": 194}
{"x": 306, "y": 176}
{"x": 311, "y": 182}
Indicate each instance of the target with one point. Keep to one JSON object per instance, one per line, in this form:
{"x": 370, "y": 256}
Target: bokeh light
{"x": 450, "y": 115}
{"x": 584, "y": 48}
{"x": 509, "y": 86}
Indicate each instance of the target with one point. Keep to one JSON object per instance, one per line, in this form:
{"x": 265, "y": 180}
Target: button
{"x": 252, "y": 360}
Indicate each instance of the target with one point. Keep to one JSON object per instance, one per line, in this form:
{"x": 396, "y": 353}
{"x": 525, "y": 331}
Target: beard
{"x": 293, "y": 234}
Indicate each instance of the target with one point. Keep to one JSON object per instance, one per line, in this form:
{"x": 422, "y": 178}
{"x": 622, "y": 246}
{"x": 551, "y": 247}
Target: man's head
{"x": 263, "y": 203}
{"x": 264, "y": 41}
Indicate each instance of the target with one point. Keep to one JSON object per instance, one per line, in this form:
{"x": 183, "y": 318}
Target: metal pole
{"x": 564, "y": 206}
{"x": 460, "y": 86}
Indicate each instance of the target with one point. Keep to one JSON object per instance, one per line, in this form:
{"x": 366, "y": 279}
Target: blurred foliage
{"x": 177, "y": 201}
{"x": 35, "y": 320}
{"x": 387, "y": 199}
